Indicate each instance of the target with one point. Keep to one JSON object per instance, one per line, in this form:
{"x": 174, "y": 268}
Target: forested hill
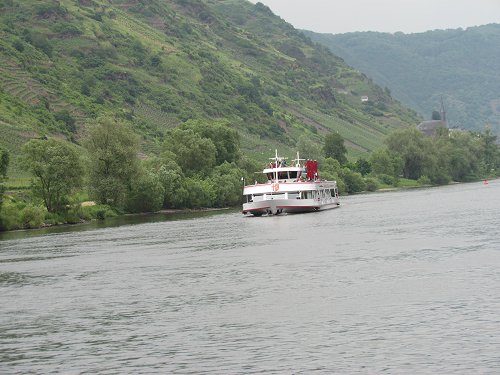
{"x": 462, "y": 66}
{"x": 157, "y": 63}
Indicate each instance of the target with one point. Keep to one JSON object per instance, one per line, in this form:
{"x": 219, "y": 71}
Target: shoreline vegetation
{"x": 213, "y": 209}
{"x": 200, "y": 167}
{"x": 99, "y": 101}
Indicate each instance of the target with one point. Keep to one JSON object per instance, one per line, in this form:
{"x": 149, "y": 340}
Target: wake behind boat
{"x": 291, "y": 189}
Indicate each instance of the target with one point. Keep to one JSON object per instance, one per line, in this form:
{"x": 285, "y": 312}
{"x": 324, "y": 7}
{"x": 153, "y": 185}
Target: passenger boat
{"x": 290, "y": 189}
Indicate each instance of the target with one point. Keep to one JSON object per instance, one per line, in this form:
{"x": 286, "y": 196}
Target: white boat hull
{"x": 278, "y": 206}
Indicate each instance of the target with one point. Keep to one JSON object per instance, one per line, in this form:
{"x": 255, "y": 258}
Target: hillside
{"x": 461, "y": 66}
{"x": 158, "y": 63}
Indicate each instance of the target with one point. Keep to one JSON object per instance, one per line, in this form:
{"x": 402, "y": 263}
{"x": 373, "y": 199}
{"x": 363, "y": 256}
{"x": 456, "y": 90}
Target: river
{"x": 404, "y": 282}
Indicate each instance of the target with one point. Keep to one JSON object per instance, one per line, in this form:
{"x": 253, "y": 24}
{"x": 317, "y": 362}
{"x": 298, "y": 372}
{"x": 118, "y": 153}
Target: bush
{"x": 371, "y": 184}
{"x": 10, "y": 217}
{"x": 147, "y": 194}
{"x": 99, "y": 212}
{"x": 353, "y": 180}
{"x": 18, "y": 45}
{"x": 32, "y": 216}
{"x": 74, "y": 215}
{"x": 424, "y": 180}
{"x": 387, "y": 179}
{"x": 52, "y": 218}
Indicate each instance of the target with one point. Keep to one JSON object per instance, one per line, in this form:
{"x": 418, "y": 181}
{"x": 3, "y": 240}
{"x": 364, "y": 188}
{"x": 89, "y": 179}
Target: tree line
{"x": 200, "y": 164}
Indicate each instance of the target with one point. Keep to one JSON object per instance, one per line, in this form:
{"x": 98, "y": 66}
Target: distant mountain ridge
{"x": 461, "y": 66}
{"x": 157, "y": 63}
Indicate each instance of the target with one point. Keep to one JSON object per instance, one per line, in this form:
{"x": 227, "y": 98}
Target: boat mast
{"x": 276, "y": 166}
{"x": 298, "y": 160}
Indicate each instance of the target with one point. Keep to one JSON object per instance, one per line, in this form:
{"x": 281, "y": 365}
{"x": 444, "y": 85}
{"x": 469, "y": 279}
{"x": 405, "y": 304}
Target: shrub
{"x": 387, "y": 179}
{"x": 353, "y": 180}
{"x": 18, "y": 45}
{"x": 424, "y": 180}
{"x": 146, "y": 195}
{"x": 32, "y": 216}
{"x": 10, "y": 217}
{"x": 371, "y": 184}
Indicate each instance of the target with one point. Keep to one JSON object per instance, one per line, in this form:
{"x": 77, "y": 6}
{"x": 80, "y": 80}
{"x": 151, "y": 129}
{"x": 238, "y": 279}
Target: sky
{"x": 408, "y": 16}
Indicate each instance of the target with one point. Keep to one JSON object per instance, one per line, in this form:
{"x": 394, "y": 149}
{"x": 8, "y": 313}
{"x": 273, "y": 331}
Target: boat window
{"x": 269, "y": 176}
{"x": 293, "y": 174}
{"x": 282, "y": 175}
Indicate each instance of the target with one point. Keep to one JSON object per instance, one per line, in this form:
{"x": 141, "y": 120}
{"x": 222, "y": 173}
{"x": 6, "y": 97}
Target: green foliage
{"x": 4, "y": 163}
{"x": 353, "y": 181}
{"x": 67, "y": 63}
{"x": 412, "y": 147}
{"x": 98, "y": 211}
{"x": 193, "y": 153}
{"x": 371, "y": 184}
{"x": 227, "y": 184}
{"x": 56, "y": 169}
{"x": 10, "y": 216}
{"x": 67, "y": 120}
{"x": 385, "y": 163}
{"x": 197, "y": 193}
{"x": 32, "y": 216}
{"x": 146, "y": 194}
{"x": 309, "y": 148}
{"x": 225, "y": 139}
{"x": 388, "y": 179}
{"x": 442, "y": 158}
{"x": 334, "y": 147}
{"x": 112, "y": 153}
{"x": 41, "y": 42}
{"x": 363, "y": 166}
{"x": 330, "y": 169}
{"x": 459, "y": 65}
{"x": 424, "y": 181}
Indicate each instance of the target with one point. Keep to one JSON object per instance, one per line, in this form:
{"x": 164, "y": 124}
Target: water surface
{"x": 400, "y": 282}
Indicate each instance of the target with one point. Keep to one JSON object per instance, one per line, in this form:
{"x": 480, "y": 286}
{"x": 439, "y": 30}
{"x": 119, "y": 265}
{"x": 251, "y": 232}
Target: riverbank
{"x": 31, "y": 217}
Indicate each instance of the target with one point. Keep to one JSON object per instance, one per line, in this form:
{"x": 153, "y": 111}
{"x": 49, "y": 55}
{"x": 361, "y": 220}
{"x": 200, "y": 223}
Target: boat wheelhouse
{"x": 290, "y": 189}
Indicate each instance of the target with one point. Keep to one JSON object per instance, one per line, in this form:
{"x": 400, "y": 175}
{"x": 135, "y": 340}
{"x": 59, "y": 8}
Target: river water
{"x": 402, "y": 282}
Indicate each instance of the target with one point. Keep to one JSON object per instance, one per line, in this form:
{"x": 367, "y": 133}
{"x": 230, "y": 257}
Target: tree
{"x": 197, "y": 193}
{"x": 363, "y": 166}
{"x": 384, "y": 162}
{"x": 309, "y": 149}
{"x": 226, "y": 182}
{"x": 56, "y": 170}
{"x": 490, "y": 151}
{"x": 112, "y": 149}
{"x": 146, "y": 194}
{"x": 193, "y": 153}
{"x": 225, "y": 139}
{"x": 65, "y": 117}
{"x": 330, "y": 169}
{"x": 4, "y": 164}
{"x": 170, "y": 175}
{"x": 334, "y": 147}
{"x": 413, "y": 149}
{"x": 353, "y": 180}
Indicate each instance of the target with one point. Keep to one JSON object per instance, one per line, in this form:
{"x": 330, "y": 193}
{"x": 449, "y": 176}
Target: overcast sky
{"x": 409, "y": 16}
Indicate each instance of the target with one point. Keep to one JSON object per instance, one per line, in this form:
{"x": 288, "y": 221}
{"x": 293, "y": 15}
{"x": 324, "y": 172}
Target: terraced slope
{"x": 159, "y": 63}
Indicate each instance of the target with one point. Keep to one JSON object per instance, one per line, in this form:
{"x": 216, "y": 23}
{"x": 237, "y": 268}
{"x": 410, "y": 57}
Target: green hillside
{"x": 461, "y": 66}
{"x": 158, "y": 63}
